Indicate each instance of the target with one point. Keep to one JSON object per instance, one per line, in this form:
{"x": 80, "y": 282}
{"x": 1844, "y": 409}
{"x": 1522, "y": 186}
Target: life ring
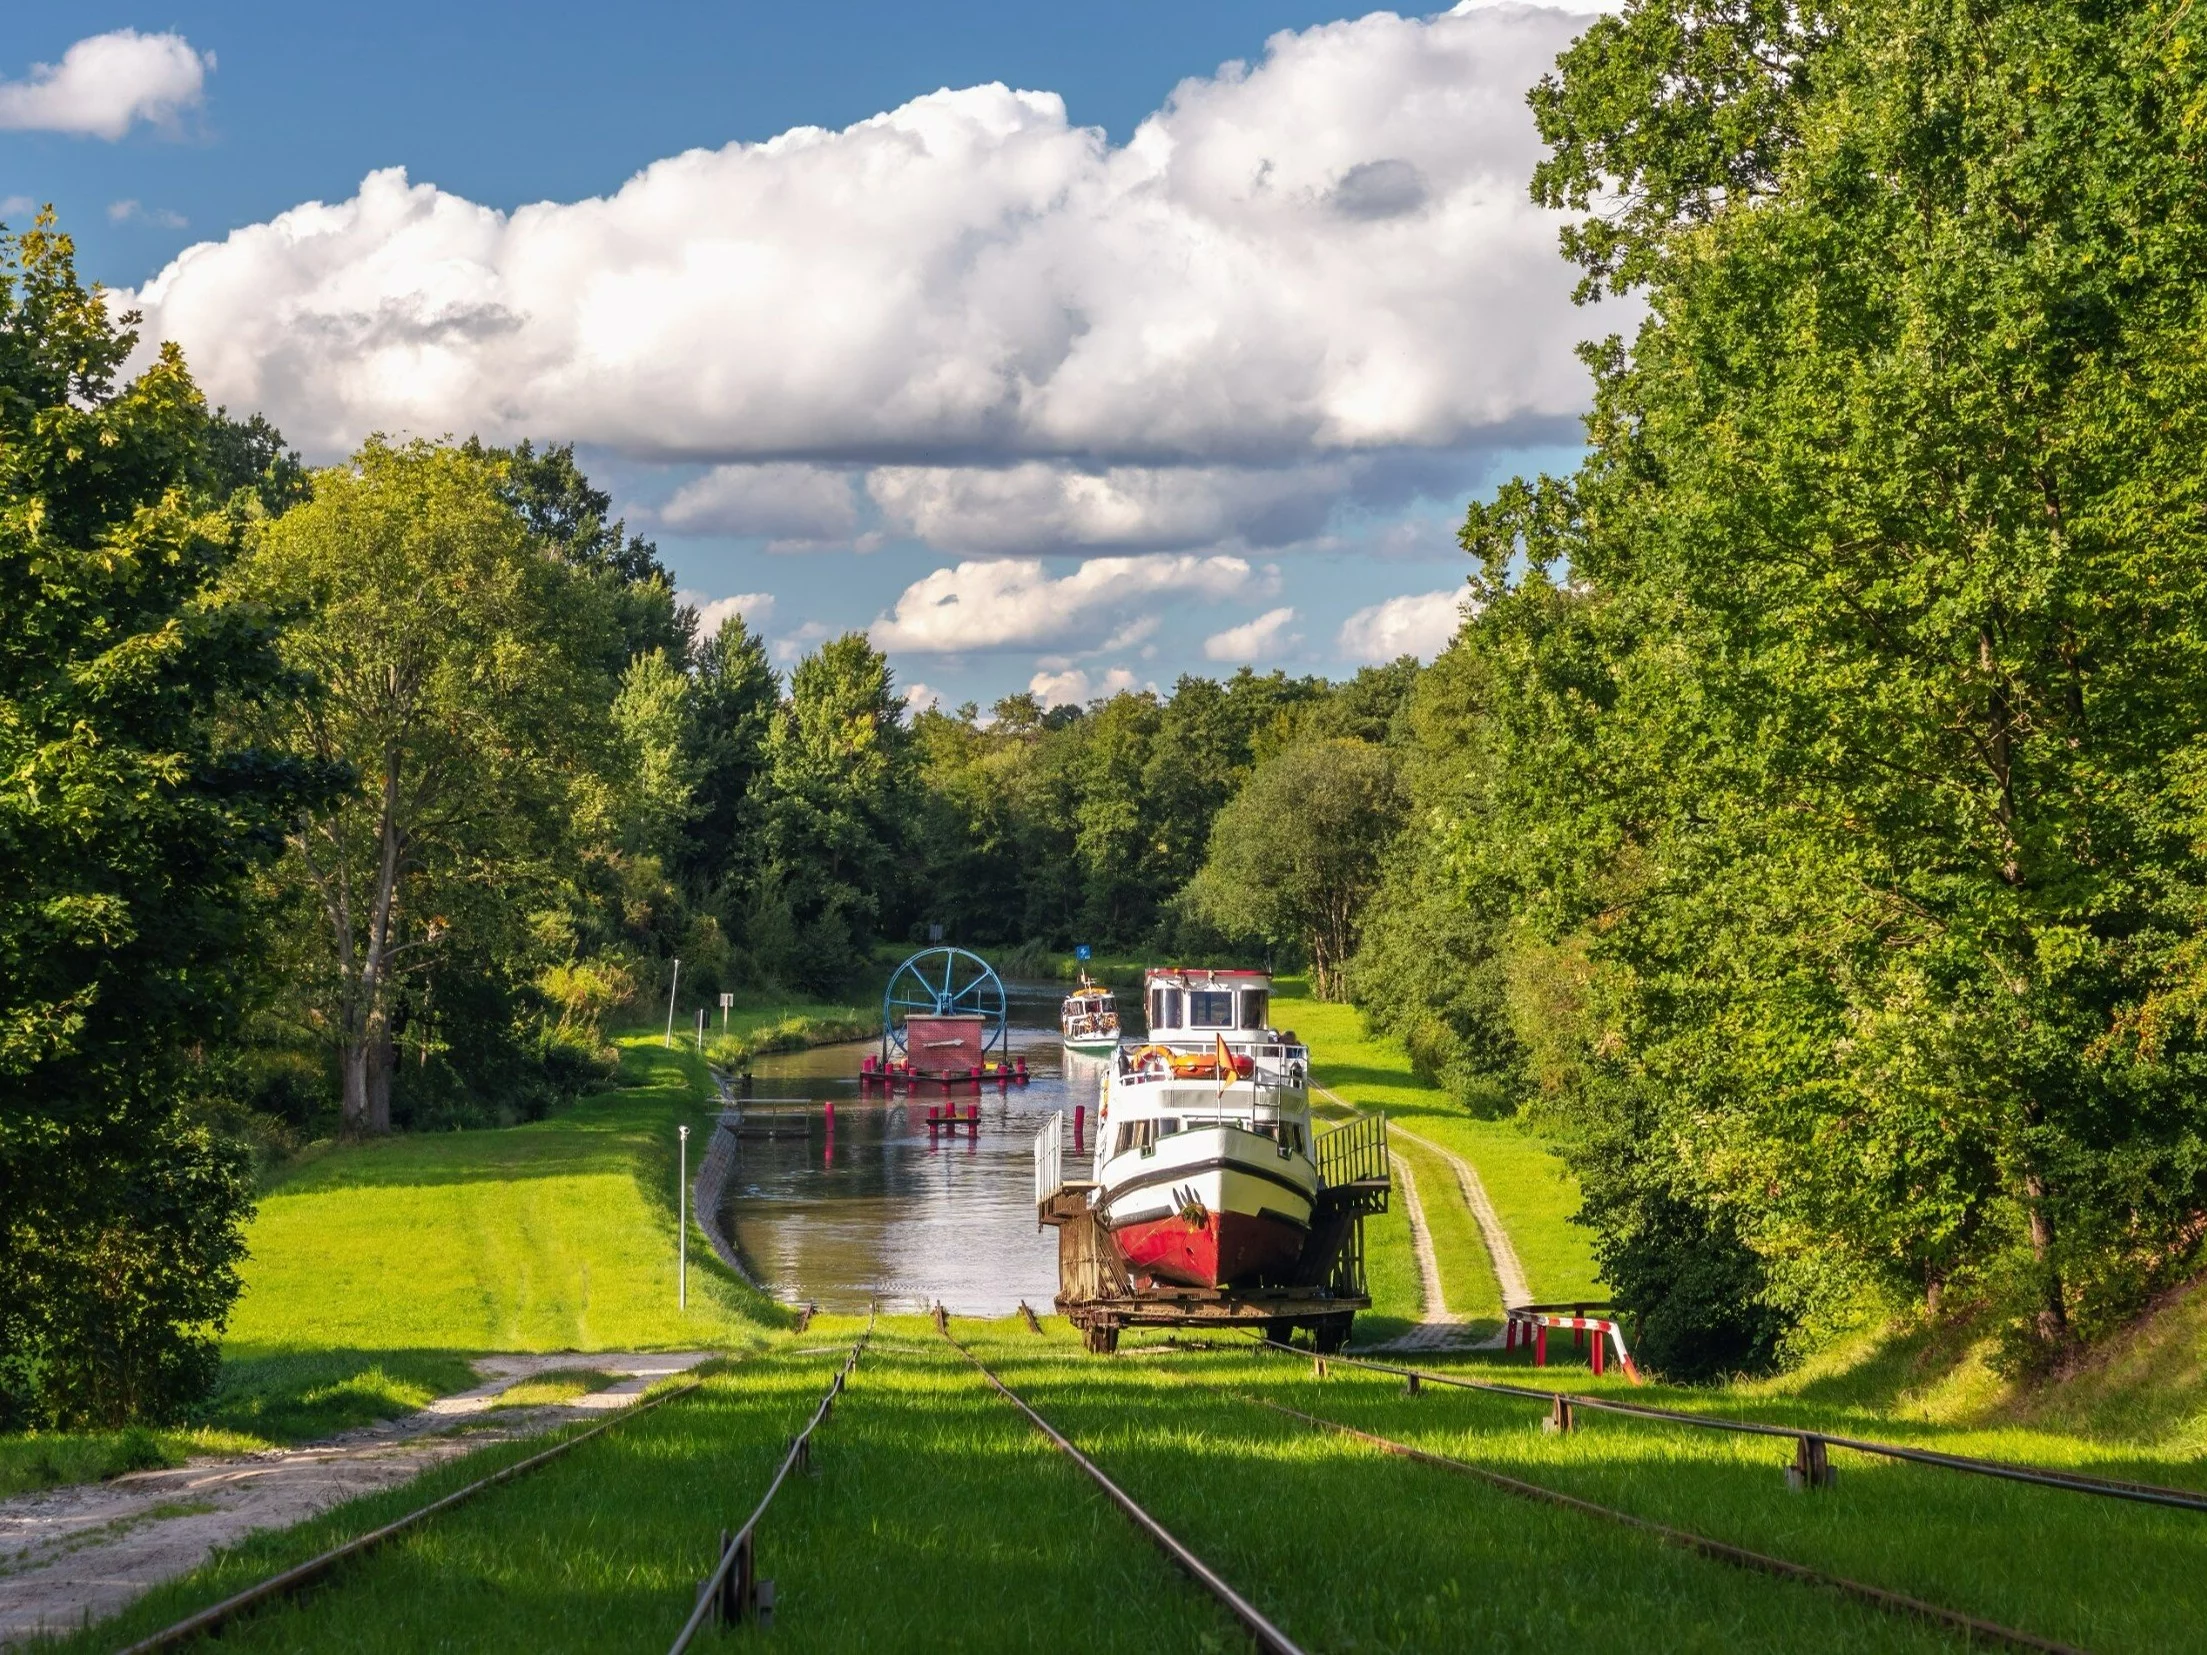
{"x": 1153, "y": 1063}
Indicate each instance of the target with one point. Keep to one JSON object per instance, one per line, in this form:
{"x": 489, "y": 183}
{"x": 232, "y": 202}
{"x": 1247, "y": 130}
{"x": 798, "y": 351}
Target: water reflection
{"x": 881, "y": 1208}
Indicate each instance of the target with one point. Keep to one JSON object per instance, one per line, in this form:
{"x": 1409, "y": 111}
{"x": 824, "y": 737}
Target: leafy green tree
{"x": 129, "y": 831}
{"x": 1296, "y": 856}
{"x": 460, "y": 675}
{"x": 1847, "y": 747}
{"x": 733, "y": 695}
{"x": 841, "y": 774}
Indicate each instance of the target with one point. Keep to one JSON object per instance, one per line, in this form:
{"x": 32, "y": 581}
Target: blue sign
{"x": 1081, "y": 953}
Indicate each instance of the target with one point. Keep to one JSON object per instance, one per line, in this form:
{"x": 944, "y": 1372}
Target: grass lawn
{"x": 1467, "y": 1275}
{"x": 557, "y": 1235}
{"x": 938, "y": 1519}
{"x": 1532, "y": 1191}
{"x": 766, "y": 1024}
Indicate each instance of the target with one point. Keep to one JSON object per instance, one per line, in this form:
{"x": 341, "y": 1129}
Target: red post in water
{"x": 1597, "y": 1353}
{"x": 830, "y": 1107}
{"x": 1080, "y": 1122}
{"x": 973, "y": 1116}
{"x": 1540, "y": 1345}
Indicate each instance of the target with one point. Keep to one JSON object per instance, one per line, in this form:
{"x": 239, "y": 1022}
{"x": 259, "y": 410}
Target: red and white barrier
{"x": 1529, "y": 1324}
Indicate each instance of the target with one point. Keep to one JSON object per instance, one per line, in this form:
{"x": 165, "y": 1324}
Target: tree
{"x": 1847, "y": 745}
{"x": 1296, "y": 856}
{"x": 733, "y": 694}
{"x": 130, "y": 828}
{"x": 841, "y": 777}
{"x": 461, "y": 675}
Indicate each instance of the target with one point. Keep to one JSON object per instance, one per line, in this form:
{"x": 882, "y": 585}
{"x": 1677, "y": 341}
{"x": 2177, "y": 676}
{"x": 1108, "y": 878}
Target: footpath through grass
{"x": 1533, "y": 1192}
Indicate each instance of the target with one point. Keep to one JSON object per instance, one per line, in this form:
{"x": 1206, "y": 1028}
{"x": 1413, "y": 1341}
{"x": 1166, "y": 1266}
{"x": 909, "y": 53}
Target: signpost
{"x": 1081, "y": 953}
{"x": 682, "y": 1224}
{"x": 671, "y": 984}
{"x": 726, "y": 1000}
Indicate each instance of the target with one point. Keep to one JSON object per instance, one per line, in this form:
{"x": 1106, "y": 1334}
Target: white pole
{"x": 671, "y": 984}
{"x": 700, "y": 1028}
{"x": 682, "y": 1227}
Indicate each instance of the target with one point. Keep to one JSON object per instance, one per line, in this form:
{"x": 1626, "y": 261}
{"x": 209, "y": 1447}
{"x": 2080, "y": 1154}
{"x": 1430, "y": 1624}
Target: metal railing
{"x": 1049, "y": 1157}
{"x": 1353, "y": 1152}
{"x": 733, "y": 1590}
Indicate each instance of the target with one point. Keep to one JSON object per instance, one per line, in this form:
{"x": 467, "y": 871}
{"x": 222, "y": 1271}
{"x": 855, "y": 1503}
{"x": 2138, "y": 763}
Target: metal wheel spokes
{"x": 946, "y": 982}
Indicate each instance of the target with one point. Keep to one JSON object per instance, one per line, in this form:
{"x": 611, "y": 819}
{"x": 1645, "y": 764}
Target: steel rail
{"x": 715, "y": 1592}
{"x": 1899, "y": 1603}
{"x": 215, "y": 1616}
{"x": 1268, "y": 1637}
{"x": 2075, "y": 1482}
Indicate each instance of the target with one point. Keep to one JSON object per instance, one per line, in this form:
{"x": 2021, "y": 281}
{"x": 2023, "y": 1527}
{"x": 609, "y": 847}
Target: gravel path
{"x": 78, "y": 1554}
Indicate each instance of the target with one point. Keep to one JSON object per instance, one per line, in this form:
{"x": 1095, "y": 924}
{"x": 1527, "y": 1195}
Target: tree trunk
{"x": 353, "y": 1062}
{"x": 2053, "y": 1311}
{"x": 381, "y": 1060}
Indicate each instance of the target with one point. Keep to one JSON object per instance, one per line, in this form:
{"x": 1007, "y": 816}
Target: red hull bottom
{"x": 1225, "y": 1250}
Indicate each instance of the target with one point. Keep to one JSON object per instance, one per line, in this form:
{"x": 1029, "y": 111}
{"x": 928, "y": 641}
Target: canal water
{"x": 883, "y": 1209}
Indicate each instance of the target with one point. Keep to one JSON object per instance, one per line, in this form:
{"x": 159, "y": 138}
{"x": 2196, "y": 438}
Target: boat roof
{"x": 1183, "y": 976}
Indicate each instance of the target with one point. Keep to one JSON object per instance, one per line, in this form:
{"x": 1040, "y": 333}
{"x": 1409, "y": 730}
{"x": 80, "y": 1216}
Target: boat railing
{"x": 1353, "y": 1152}
{"x": 1049, "y": 1157}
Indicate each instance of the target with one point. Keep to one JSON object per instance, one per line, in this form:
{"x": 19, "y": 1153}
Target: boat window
{"x": 1136, "y": 1135}
{"x": 1170, "y": 1017}
{"x": 1253, "y": 1007}
{"x": 1167, "y": 1127}
{"x": 1211, "y": 1009}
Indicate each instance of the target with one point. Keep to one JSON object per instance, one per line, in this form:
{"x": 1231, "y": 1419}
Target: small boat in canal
{"x": 1204, "y": 1168}
{"x": 1088, "y": 1022}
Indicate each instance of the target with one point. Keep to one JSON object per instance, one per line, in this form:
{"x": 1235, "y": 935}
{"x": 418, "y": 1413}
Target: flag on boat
{"x": 1225, "y": 1064}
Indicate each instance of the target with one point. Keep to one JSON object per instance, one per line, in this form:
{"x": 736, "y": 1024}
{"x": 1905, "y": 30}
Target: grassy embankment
{"x": 1532, "y": 1191}
{"x": 374, "y": 1271}
{"x": 937, "y": 1518}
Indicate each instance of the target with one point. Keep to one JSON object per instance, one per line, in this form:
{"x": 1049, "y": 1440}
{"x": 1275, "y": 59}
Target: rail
{"x": 215, "y": 1616}
{"x": 734, "y": 1590}
{"x": 1899, "y": 1603}
{"x": 1049, "y": 1157}
{"x": 1811, "y": 1444}
{"x": 1353, "y": 1152}
{"x": 1267, "y": 1636}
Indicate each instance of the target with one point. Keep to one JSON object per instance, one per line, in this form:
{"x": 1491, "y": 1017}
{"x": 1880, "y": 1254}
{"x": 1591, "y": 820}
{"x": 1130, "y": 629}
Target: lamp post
{"x": 672, "y": 983}
{"x": 682, "y": 1225}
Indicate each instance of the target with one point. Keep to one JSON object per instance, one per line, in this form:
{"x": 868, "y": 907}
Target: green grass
{"x": 32, "y": 1460}
{"x": 767, "y": 1025}
{"x": 554, "y": 1386}
{"x": 1533, "y": 1192}
{"x": 301, "y": 1395}
{"x": 558, "y": 1235}
{"x": 937, "y": 1518}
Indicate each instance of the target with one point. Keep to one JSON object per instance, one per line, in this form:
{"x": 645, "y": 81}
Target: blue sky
{"x": 1041, "y": 407}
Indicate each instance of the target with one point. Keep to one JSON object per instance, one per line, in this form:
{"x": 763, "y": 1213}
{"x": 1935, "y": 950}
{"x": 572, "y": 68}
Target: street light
{"x": 671, "y": 983}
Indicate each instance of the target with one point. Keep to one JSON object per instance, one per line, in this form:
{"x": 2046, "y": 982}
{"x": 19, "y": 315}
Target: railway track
{"x": 1973, "y": 1627}
{"x": 216, "y": 1616}
{"x": 1267, "y": 1636}
{"x": 2073, "y": 1482}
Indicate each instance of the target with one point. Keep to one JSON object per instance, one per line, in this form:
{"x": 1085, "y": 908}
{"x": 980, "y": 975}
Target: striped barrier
{"x": 1529, "y": 1324}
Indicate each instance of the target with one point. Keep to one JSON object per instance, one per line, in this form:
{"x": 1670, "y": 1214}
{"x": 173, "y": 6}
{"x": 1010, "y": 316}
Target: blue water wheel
{"x": 946, "y": 982}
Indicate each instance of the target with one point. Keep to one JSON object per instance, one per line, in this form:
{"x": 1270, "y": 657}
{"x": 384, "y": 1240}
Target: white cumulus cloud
{"x": 1420, "y": 624}
{"x": 756, "y": 608}
{"x": 107, "y": 83}
{"x": 1076, "y": 688}
{"x": 785, "y": 501}
{"x": 1252, "y": 640}
{"x": 1016, "y": 603}
{"x": 1044, "y": 506}
{"x": 1327, "y": 251}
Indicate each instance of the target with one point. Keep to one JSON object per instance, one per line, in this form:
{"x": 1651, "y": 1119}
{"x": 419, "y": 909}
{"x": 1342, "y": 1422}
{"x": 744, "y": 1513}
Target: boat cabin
{"x": 1194, "y": 1007}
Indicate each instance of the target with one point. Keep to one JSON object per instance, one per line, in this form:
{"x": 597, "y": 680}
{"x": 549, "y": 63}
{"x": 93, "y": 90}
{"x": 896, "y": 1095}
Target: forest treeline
{"x": 1806, "y": 831}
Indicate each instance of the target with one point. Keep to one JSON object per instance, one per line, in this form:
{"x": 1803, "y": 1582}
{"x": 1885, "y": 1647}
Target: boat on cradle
{"x": 1088, "y": 1022}
{"x": 1204, "y": 1169}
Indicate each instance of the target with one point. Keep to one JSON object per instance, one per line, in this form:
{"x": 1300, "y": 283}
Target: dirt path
{"x": 78, "y": 1554}
{"x": 1508, "y": 1272}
